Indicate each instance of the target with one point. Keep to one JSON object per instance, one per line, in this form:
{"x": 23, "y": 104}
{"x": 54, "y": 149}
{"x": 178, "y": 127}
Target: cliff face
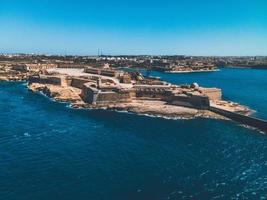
{"x": 66, "y": 94}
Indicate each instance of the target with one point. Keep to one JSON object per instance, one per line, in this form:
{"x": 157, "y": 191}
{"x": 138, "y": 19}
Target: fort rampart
{"x": 243, "y": 119}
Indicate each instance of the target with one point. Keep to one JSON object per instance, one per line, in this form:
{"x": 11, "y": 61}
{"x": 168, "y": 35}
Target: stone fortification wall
{"x": 247, "y": 120}
{"x": 19, "y": 67}
{"x": 71, "y": 65}
{"x": 152, "y": 91}
{"x": 190, "y": 100}
{"x": 100, "y": 71}
{"x": 39, "y": 66}
{"x": 89, "y": 94}
{"x": 150, "y": 94}
{"x": 43, "y": 79}
{"x": 181, "y": 100}
{"x": 91, "y": 70}
{"x": 113, "y": 97}
{"x": 212, "y": 93}
{"x": 199, "y": 101}
{"x": 108, "y": 72}
{"x": 78, "y": 82}
{"x": 94, "y": 96}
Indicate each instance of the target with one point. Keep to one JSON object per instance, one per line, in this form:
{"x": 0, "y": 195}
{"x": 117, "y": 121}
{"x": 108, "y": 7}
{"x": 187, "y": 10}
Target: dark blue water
{"x": 49, "y": 151}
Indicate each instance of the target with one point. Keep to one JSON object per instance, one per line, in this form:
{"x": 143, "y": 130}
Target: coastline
{"x": 109, "y": 89}
{"x": 154, "y": 108}
{"x": 264, "y": 67}
{"x": 193, "y": 71}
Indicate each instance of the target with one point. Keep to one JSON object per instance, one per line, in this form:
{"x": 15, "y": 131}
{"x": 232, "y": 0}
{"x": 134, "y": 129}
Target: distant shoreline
{"x": 246, "y": 66}
{"x": 193, "y": 71}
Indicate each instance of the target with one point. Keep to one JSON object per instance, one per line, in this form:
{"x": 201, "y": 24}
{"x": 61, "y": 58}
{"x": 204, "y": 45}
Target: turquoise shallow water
{"x": 49, "y": 151}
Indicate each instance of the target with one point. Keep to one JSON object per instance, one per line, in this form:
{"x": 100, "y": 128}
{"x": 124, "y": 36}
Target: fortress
{"x": 75, "y": 81}
{"x": 107, "y": 88}
{"x": 100, "y": 86}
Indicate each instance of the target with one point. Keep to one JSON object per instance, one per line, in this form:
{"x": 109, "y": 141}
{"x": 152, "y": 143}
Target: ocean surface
{"x": 50, "y": 151}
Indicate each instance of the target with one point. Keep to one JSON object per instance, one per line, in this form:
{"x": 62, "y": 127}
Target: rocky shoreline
{"x": 73, "y": 95}
{"x": 191, "y": 71}
{"x": 145, "y": 107}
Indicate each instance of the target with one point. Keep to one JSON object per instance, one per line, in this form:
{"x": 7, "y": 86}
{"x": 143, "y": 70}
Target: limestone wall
{"x": 78, "y": 82}
{"x": 158, "y": 93}
{"x": 113, "y": 97}
{"x": 101, "y": 71}
{"x": 19, "y": 67}
{"x": 39, "y": 66}
{"x": 43, "y": 79}
{"x": 94, "y": 96}
{"x": 212, "y": 93}
{"x": 71, "y": 65}
{"x": 92, "y": 70}
{"x": 111, "y": 73}
{"x": 247, "y": 120}
{"x": 201, "y": 102}
{"x": 89, "y": 94}
{"x": 181, "y": 100}
{"x": 195, "y": 101}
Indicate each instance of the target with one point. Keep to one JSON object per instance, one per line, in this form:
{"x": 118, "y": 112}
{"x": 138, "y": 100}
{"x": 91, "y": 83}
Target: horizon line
{"x": 95, "y": 55}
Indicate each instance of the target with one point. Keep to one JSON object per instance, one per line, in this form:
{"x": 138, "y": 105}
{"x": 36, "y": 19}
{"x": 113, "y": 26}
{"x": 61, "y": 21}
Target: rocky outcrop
{"x": 154, "y": 108}
{"x": 65, "y": 94}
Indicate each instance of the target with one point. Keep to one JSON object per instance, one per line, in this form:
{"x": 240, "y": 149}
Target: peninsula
{"x": 105, "y": 87}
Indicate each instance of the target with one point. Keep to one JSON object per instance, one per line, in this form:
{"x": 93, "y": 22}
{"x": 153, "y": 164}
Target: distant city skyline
{"x": 193, "y": 28}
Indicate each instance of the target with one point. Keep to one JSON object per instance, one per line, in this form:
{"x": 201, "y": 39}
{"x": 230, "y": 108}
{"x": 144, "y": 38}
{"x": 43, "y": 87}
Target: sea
{"x": 49, "y": 151}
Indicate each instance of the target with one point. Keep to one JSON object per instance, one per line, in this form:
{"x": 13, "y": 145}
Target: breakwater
{"x": 243, "y": 119}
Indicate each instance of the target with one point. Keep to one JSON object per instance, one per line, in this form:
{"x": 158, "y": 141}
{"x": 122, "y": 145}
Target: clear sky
{"x": 191, "y": 27}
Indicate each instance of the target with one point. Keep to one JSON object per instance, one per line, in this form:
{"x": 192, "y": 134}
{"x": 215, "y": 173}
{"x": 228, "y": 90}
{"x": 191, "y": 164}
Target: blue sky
{"x": 191, "y": 27}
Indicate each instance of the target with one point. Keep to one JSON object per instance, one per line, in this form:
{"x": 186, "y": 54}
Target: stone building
{"x": 105, "y": 96}
{"x": 103, "y": 90}
{"x": 39, "y": 67}
{"x": 103, "y": 71}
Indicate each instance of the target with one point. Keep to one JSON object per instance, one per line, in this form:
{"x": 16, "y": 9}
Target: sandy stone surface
{"x": 160, "y": 108}
{"x": 232, "y": 107}
{"x": 67, "y": 94}
{"x": 155, "y": 108}
{"x": 3, "y": 78}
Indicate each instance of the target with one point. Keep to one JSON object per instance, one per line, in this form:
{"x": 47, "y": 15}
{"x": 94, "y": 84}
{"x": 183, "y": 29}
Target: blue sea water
{"x": 50, "y": 151}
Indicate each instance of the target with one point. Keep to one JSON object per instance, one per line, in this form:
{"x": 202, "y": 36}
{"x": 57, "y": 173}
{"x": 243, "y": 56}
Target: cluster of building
{"x": 101, "y": 82}
{"x": 178, "y": 63}
{"x": 96, "y": 82}
{"x": 9, "y": 73}
{"x": 163, "y": 63}
{"x": 104, "y": 86}
{"x": 244, "y": 61}
{"x": 32, "y": 67}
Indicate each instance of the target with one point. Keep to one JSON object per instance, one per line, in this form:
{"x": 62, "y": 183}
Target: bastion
{"x": 106, "y": 88}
